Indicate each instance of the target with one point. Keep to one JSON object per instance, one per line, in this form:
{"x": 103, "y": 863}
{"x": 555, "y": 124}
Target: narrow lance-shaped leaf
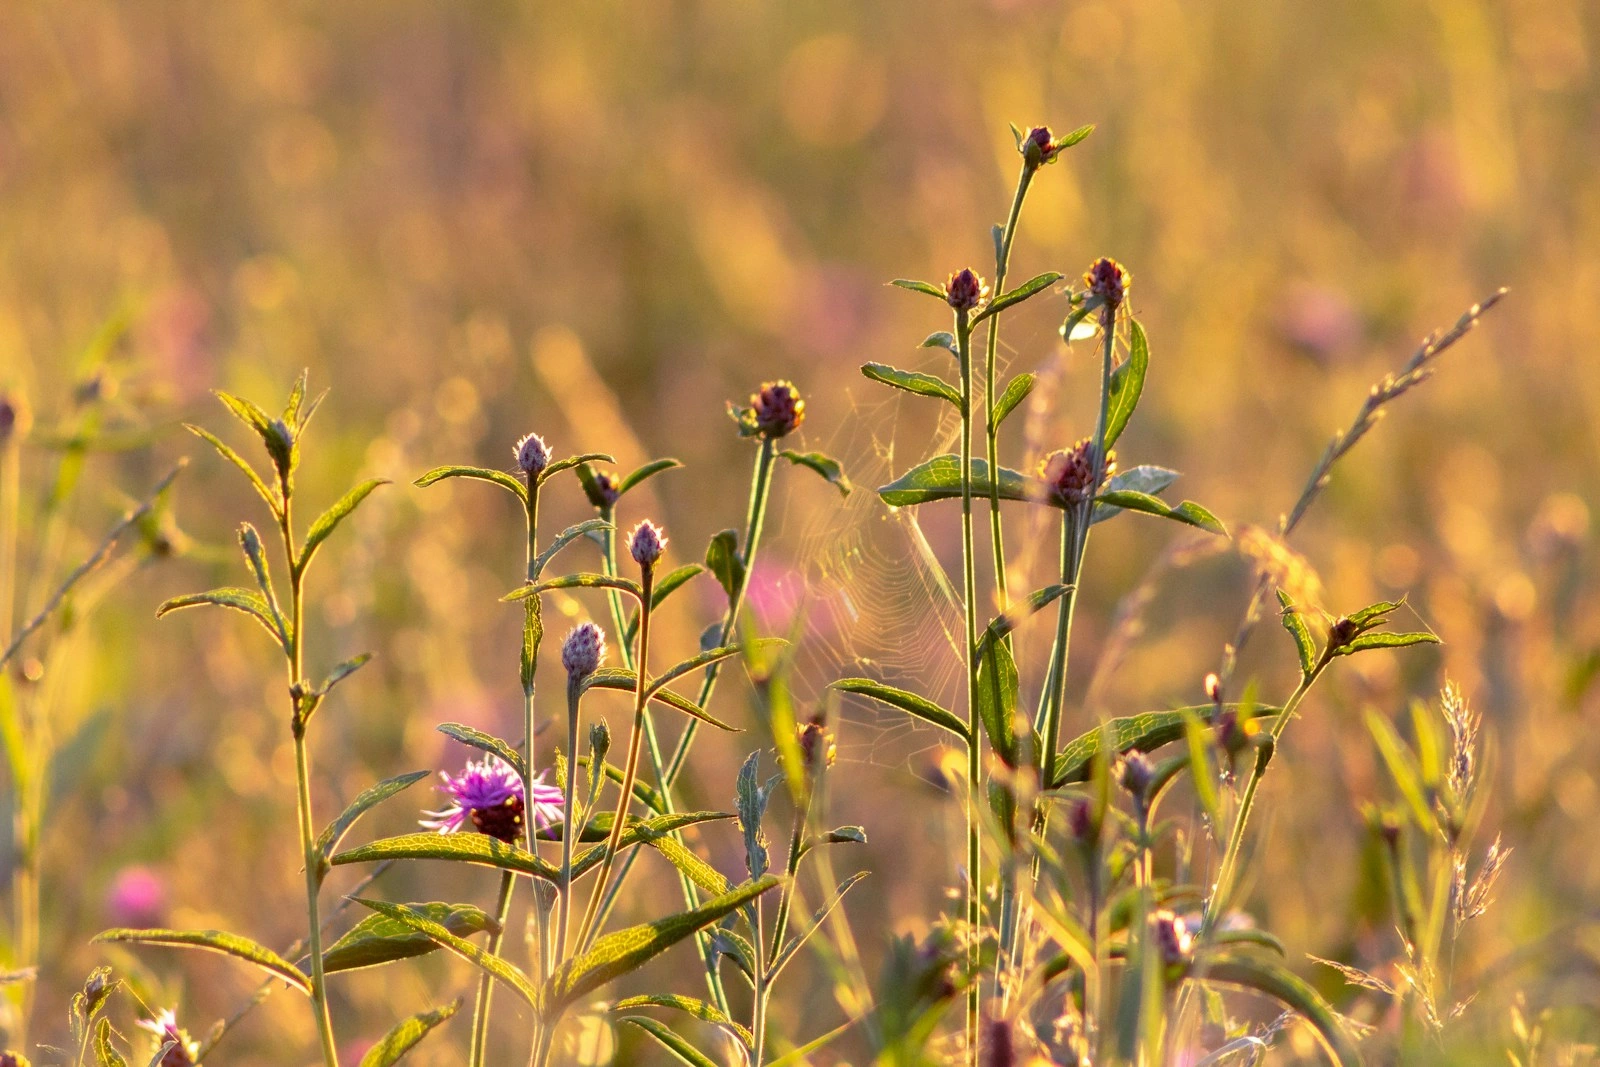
{"x": 725, "y": 563}
{"x": 620, "y": 679}
{"x": 572, "y": 462}
{"x": 1295, "y": 623}
{"x": 565, "y": 538}
{"x": 1019, "y": 611}
{"x": 268, "y": 495}
{"x": 482, "y": 474}
{"x": 480, "y": 849}
{"x": 941, "y": 339}
{"x": 752, "y": 798}
{"x": 1127, "y": 382}
{"x": 244, "y": 600}
{"x": 691, "y": 1006}
{"x": 912, "y": 381}
{"x": 329, "y": 520}
{"x": 997, "y": 688}
{"x": 648, "y": 470}
{"x": 617, "y": 953}
{"x": 671, "y": 1040}
{"x": 215, "y": 941}
{"x": 940, "y": 479}
{"x": 486, "y": 742}
{"x": 708, "y": 657}
{"x": 824, "y": 465}
{"x": 577, "y": 581}
{"x": 369, "y": 799}
{"x": 1015, "y": 392}
{"x": 1385, "y": 640}
{"x": 1276, "y": 981}
{"x": 498, "y": 968}
{"x": 926, "y": 288}
{"x": 250, "y": 542}
{"x": 1187, "y": 512}
{"x": 789, "y": 951}
{"x": 379, "y": 939}
{"x": 341, "y": 672}
{"x": 1143, "y": 733}
{"x": 911, "y": 703}
{"x": 1022, "y": 292}
{"x": 406, "y": 1035}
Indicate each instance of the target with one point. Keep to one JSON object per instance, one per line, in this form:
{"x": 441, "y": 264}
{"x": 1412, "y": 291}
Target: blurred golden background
{"x": 601, "y": 221}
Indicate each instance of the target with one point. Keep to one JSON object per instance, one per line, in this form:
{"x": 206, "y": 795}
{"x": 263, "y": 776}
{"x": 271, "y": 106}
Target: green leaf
{"x": 105, "y": 1051}
{"x": 1145, "y": 732}
{"x": 215, "y": 941}
{"x": 942, "y": 339}
{"x": 996, "y": 699}
{"x": 913, "y": 381}
{"x": 822, "y": 464}
{"x": 486, "y": 742}
{"x": 648, "y": 470}
{"x": 921, "y": 707}
{"x": 341, "y": 672}
{"x": 1385, "y": 640}
{"x": 1018, "y": 613}
{"x": 1031, "y": 287}
{"x": 1127, "y": 382}
{"x": 485, "y": 960}
{"x": 699, "y": 1009}
{"x": 1146, "y": 478}
{"x": 1075, "y": 137}
{"x": 725, "y": 563}
{"x": 565, "y": 538}
{"x": 406, "y": 1034}
{"x": 623, "y": 680}
{"x": 570, "y": 462}
{"x": 329, "y": 520}
{"x": 269, "y": 495}
{"x": 752, "y": 797}
{"x": 736, "y": 947}
{"x": 277, "y": 441}
{"x": 940, "y": 479}
{"x": 379, "y": 939}
{"x": 693, "y": 867}
{"x": 1187, "y": 512}
{"x": 919, "y": 287}
{"x": 577, "y": 581}
{"x": 1276, "y": 981}
{"x": 369, "y": 799}
{"x": 481, "y": 849}
{"x": 1015, "y": 392}
{"x": 1402, "y": 768}
{"x": 662, "y": 588}
{"x": 708, "y": 657}
{"x": 252, "y": 604}
{"x": 1295, "y": 623}
{"x": 1370, "y": 615}
{"x": 482, "y": 474}
{"x": 670, "y": 1040}
{"x": 617, "y": 953}
{"x": 817, "y": 919}
{"x": 1205, "y": 784}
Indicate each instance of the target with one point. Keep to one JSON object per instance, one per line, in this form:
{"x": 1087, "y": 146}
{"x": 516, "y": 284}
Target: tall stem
{"x": 485, "y": 995}
{"x": 992, "y": 428}
{"x": 760, "y": 993}
{"x": 630, "y": 773}
{"x": 974, "y": 727}
{"x": 570, "y": 825}
{"x": 302, "y": 768}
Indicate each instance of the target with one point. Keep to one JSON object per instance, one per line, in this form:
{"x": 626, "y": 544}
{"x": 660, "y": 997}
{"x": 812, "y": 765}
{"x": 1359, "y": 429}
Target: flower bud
{"x": 965, "y": 291}
{"x": 1069, "y": 474}
{"x": 1109, "y": 280}
{"x": 583, "y": 651}
{"x": 1135, "y": 772}
{"x": 646, "y": 543}
{"x": 1039, "y": 147}
{"x": 13, "y": 1059}
{"x": 1080, "y": 819}
{"x": 15, "y": 418}
{"x": 605, "y": 489}
{"x": 778, "y": 409}
{"x": 1213, "y": 686}
{"x": 817, "y": 746}
{"x": 533, "y": 455}
{"x": 1173, "y": 939}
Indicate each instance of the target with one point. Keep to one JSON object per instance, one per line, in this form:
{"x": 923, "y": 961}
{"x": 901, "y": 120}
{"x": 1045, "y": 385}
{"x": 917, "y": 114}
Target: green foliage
{"x": 407, "y": 1034}
{"x": 913, "y": 381}
{"x": 921, "y": 707}
{"x": 214, "y": 941}
{"x": 380, "y": 939}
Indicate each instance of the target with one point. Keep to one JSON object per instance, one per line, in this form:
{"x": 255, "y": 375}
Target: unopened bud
{"x": 15, "y": 417}
{"x": 1039, "y": 147}
{"x": 605, "y": 489}
{"x": 533, "y": 455}
{"x": 1109, "y": 280}
{"x": 965, "y": 291}
{"x": 817, "y": 747}
{"x": 646, "y": 544}
{"x": 583, "y": 651}
{"x": 1213, "y": 688}
{"x": 778, "y": 409}
{"x": 1135, "y": 773}
{"x": 1069, "y": 474}
{"x": 1173, "y": 939}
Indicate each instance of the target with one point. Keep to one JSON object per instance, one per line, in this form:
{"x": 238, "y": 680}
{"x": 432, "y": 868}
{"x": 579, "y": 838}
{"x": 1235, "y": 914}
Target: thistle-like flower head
{"x": 1039, "y": 147}
{"x": 778, "y": 409}
{"x": 817, "y": 747}
{"x": 533, "y": 455}
{"x": 605, "y": 489}
{"x": 1135, "y": 773}
{"x": 1109, "y": 280}
{"x": 1069, "y": 474}
{"x": 584, "y": 651}
{"x": 489, "y": 795}
{"x": 165, "y": 1028}
{"x": 965, "y": 291}
{"x": 646, "y": 543}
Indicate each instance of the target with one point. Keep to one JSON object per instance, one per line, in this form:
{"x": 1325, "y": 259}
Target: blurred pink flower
{"x": 137, "y": 897}
{"x": 1318, "y": 320}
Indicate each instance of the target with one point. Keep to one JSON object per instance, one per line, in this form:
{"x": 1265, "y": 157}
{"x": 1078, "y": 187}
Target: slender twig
{"x": 974, "y": 727}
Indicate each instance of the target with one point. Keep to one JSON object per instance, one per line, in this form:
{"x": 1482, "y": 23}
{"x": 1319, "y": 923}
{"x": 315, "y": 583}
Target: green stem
{"x": 758, "y": 1010}
{"x": 1227, "y": 873}
{"x": 992, "y": 428}
{"x": 630, "y": 773}
{"x": 797, "y": 838}
{"x": 570, "y": 826}
{"x": 480, "y": 1007}
{"x": 974, "y": 727}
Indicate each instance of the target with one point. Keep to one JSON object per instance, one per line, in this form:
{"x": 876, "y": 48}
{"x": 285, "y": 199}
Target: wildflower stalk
{"x": 992, "y": 396}
{"x": 630, "y": 772}
{"x": 570, "y": 825}
{"x": 974, "y": 727}
{"x": 485, "y": 994}
{"x": 1227, "y": 872}
{"x": 666, "y": 773}
{"x": 302, "y": 767}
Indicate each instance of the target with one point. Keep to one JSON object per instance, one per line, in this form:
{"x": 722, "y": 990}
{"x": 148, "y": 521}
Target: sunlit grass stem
{"x": 991, "y": 395}
{"x": 974, "y": 727}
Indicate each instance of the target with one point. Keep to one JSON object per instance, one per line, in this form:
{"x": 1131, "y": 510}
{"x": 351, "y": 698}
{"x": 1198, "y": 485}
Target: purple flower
{"x": 533, "y": 455}
{"x": 647, "y": 543}
{"x": 583, "y": 651}
{"x": 489, "y": 795}
{"x": 165, "y": 1027}
{"x": 137, "y": 897}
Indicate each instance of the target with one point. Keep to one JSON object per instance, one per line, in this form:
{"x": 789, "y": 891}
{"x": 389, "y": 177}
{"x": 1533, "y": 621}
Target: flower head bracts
{"x": 778, "y": 409}
{"x": 584, "y": 651}
{"x": 647, "y": 543}
{"x": 1068, "y": 475}
{"x": 489, "y": 796}
{"x": 165, "y": 1028}
{"x": 966, "y": 291}
{"x": 533, "y": 455}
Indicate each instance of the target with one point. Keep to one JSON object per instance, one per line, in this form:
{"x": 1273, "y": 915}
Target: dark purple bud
{"x": 1135, "y": 773}
{"x": 817, "y": 747}
{"x": 1107, "y": 279}
{"x": 1080, "y": 819}
{"x": 998, "y": 1043}
{"x": 1039, "y": 147}
{"x": 583, "y": 651}
{"x": 778, "y": 409}
{"x": 606, "y": 491}
{"x": 15, "y": 418}
{"x": 965, "y": 291}
{"x": 1173, "y": 939}
{"x": 1069, "y": 474}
